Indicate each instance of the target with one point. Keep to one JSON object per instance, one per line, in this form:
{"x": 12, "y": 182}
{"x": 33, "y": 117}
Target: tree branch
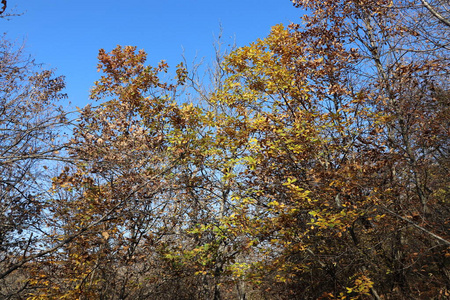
{"x": 415, "y": 225}
{"x": 435, "y": 13}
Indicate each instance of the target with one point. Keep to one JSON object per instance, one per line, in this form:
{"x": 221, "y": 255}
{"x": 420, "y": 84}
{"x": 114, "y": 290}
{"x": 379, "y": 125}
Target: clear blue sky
{"x": 67, "y": 34}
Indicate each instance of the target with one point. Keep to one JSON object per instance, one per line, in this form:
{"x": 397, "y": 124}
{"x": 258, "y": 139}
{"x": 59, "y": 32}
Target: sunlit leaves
{"x": 315, "y": 168}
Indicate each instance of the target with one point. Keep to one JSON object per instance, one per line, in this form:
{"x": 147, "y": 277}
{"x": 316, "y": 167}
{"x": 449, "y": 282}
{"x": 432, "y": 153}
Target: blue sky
{"x": 66, "y": 34}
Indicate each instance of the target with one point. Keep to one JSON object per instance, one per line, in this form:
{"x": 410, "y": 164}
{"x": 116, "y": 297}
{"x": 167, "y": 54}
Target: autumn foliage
{"x": 316, "y": 169}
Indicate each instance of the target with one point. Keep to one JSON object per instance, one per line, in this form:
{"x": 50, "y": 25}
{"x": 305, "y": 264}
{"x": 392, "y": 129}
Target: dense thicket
{"x": 315, "y": 167}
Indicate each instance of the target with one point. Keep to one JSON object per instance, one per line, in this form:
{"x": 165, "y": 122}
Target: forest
{"x": 312, "y": 164}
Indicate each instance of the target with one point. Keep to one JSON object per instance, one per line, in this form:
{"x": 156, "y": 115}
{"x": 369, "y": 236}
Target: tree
{"x": 30, "y": 124}
{"x": 368, "y": 84}
{"x": 133, "y": 192}
{"x": 315, "y": 169}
